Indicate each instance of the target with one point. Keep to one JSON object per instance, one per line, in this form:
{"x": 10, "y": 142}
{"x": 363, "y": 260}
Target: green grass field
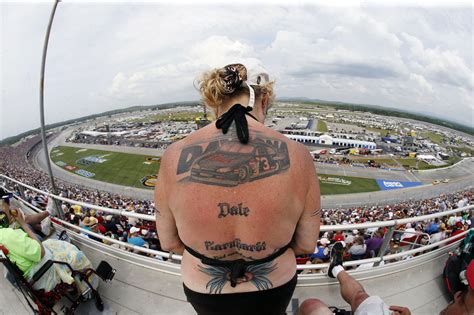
{"x": 434, "y": 137}
{"x": 129, "y": 170}
{"x": 322, "y": 126}
{"x": 335, "y": 184}
{"x": 118, "y": 168}
{"x": 382, "y": 132}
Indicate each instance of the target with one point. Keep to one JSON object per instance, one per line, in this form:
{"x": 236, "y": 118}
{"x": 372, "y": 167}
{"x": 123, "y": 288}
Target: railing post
{"x": 22, "y": 191}
{"x": 41, "y": 108}
{"x": 385, "y": 244}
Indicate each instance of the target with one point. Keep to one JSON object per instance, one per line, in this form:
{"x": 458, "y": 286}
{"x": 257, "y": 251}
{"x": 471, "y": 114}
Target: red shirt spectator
{"x": 453, "y": 239}
{"x": 338, "y": 237}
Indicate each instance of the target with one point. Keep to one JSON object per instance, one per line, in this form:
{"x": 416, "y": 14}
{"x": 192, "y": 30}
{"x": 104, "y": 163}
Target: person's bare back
{"x": 237, "y": 201}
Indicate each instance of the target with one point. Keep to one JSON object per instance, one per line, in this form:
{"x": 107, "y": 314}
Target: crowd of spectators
{"x": 359, "y": 243}
{"x": 367, "y": 243}
{"x": 347, "y": 162}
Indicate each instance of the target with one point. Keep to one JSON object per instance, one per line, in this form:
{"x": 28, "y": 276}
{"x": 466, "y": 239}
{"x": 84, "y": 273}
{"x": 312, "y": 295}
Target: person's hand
{"x": 399, "y": 310}
{"x": 19, "y": 216}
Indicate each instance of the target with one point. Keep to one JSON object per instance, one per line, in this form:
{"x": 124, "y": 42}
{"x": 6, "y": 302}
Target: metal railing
{"x": 391, "y": 224}
{"x": 407, "y": 240}
{"x": 122, "y": 212}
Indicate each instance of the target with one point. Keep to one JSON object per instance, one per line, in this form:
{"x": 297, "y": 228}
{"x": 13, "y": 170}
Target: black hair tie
{"x": 236, "y": 113}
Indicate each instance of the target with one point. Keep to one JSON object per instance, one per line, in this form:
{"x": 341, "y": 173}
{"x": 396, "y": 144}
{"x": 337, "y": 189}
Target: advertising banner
{"x": 385, "y": 184}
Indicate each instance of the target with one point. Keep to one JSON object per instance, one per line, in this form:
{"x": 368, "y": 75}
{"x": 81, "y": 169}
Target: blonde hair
{"x": 214, "y": 91}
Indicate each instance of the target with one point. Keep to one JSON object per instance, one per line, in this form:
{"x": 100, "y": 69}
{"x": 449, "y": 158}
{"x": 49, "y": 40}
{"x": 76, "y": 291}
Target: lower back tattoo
{"x": 255, "y": 274}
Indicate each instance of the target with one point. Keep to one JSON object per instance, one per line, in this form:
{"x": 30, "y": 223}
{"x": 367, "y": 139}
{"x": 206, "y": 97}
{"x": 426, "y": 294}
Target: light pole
{"x": 43, "y": 129}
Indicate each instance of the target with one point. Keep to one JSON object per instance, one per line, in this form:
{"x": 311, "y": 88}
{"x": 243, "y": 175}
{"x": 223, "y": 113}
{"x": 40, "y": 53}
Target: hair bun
{"x": 232, "y": 77}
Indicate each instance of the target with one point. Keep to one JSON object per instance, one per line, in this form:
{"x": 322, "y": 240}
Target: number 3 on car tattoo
{"x": 229, "y": 163}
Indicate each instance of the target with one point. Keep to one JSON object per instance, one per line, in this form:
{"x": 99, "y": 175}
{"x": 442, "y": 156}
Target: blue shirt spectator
{"x": 134, "y": 238}
{"x": 432, "y": 228}
{"x": 137, "y": 241}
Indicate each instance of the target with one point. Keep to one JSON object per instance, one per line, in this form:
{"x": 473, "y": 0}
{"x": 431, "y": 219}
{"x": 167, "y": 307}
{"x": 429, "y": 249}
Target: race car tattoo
{"x": 227, "y": 162}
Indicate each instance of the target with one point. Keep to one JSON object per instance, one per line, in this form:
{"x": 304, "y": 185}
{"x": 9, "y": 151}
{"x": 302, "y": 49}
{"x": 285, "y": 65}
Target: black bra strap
{"x": 236, "y": 113}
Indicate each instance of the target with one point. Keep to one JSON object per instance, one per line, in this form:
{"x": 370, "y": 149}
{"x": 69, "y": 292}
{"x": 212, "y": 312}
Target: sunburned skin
{"x": 231, "y": 201}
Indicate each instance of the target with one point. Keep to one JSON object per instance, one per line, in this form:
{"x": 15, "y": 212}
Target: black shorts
{"x": 272, "y": 302}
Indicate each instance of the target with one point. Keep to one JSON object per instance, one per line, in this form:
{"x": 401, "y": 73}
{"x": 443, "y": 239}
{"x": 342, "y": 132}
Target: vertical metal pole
{"x": 385, "y": 244}
{"x": 43, "y": 129}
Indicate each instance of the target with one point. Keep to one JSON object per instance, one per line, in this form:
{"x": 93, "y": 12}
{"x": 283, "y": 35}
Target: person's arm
{"x": 307, "y": 229}
{"x": 20, "y": 218}
{"x": 165, "y": 222}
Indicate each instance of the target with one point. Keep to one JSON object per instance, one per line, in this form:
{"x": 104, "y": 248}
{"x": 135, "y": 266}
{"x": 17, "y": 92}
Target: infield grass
{"x": 322, "y": 126}
{"x": 129, "y": 169}
{"x": 119, "y": 168}
{"x": 357, "y": 185}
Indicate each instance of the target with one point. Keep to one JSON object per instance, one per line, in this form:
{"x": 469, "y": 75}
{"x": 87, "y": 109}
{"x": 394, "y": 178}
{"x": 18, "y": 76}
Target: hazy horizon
{"x": 414, "y": 59}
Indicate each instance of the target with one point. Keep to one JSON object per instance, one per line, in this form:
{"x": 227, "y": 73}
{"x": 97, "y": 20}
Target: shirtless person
{"x": 238, "y": 200}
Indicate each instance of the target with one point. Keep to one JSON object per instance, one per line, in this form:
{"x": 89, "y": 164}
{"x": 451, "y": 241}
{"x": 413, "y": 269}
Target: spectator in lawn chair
{"x": 321, "y": 251}
{"x": 374, "y": 243}
{"x": 30, "y": 254}
{"x": 134, "y": 237}
{"x": 439, "y": 236}
{"x": 457, "y": 229}
{"x": 433, "y": 227}
{"x": 91, "y": 224}
{"x": 112, "y": 224}
{"x": 338, "y": 237}
{"x": 349, "y": 238}
{"x": 358, "y": 249}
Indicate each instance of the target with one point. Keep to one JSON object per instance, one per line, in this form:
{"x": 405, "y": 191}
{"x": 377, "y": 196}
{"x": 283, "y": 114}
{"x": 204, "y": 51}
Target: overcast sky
{"x": 115, "y": 55}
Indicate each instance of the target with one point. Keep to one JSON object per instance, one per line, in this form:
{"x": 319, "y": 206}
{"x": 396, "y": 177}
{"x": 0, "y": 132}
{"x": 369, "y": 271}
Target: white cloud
{"x": 440, "y": 65}
{"x": 212, "y": 52}
{"x": 421, "y": 82}
{"x": 103, "y": 57}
